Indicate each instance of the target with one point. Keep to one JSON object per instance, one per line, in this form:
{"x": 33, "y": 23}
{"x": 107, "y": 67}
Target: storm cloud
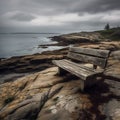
{"x": 58, "y": 15}
{"x": 22, "y": 17}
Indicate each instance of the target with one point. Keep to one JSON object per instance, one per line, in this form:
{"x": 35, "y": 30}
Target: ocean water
{"x": 24, "y": 44}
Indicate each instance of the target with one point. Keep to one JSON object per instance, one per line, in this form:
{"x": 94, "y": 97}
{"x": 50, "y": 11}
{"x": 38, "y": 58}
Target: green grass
{"x": 111, "y": 33}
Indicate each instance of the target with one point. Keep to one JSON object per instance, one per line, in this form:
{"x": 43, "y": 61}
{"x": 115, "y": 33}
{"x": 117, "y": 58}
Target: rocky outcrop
{"x": 28, "y": 63}
{"x": 47, "y": 96}
{"x": 37, "y": 62}
{"x": 82, "y": 37}
{"x": 15, "y": 67}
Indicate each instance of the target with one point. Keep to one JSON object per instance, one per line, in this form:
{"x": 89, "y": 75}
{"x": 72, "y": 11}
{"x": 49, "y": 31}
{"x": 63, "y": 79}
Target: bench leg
{"x": 61, "y": 71}
{"x": 82, "y": 85}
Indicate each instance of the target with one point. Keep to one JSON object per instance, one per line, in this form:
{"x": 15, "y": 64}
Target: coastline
{"x": 22, "y": 65}
{"x": 31, "y": 81}
{"x": 27, "y": 64}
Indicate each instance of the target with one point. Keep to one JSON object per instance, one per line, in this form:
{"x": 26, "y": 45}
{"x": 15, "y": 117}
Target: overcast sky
{"x": 57, "y": 15}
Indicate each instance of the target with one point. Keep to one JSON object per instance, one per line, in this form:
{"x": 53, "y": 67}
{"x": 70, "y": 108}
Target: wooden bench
{"x": 96, "y": 57}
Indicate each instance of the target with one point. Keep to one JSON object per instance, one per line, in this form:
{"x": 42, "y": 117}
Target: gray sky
{"x": 57, "y": 15}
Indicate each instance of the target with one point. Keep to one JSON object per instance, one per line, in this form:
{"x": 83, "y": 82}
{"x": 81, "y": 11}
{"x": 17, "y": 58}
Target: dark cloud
{"x": 58, "y": 15}
{"x": 22, "y": 17}
{"x": 59, "y": 6}
{"x": 79, "y": 5}
{"x": 101, "y": 6}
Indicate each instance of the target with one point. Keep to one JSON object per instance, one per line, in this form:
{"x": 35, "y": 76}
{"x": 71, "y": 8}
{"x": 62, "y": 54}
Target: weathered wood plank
{"x": 92, "y": 52}
{"x": 73, "y": 66}
{"x": 84, "y": 67}
{"x": 90, "y": 59}
{"x": 74, "y": 69}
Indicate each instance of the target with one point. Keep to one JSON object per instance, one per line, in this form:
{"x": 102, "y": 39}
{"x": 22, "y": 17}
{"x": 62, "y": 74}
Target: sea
{"x": 25, "y": 44}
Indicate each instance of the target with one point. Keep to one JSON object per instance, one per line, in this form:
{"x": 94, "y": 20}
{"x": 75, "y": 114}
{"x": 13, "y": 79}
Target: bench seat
{"x": 79, "y": 70}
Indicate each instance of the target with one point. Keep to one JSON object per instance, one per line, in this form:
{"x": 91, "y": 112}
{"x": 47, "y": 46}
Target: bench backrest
{"x": 95, "y": 56}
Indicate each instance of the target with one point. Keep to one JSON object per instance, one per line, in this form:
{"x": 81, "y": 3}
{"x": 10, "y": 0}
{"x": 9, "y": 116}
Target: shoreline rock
{"x": 37, "y": 62}
{"x": 44, "y": 95}
{"x": 59, "y": 97}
